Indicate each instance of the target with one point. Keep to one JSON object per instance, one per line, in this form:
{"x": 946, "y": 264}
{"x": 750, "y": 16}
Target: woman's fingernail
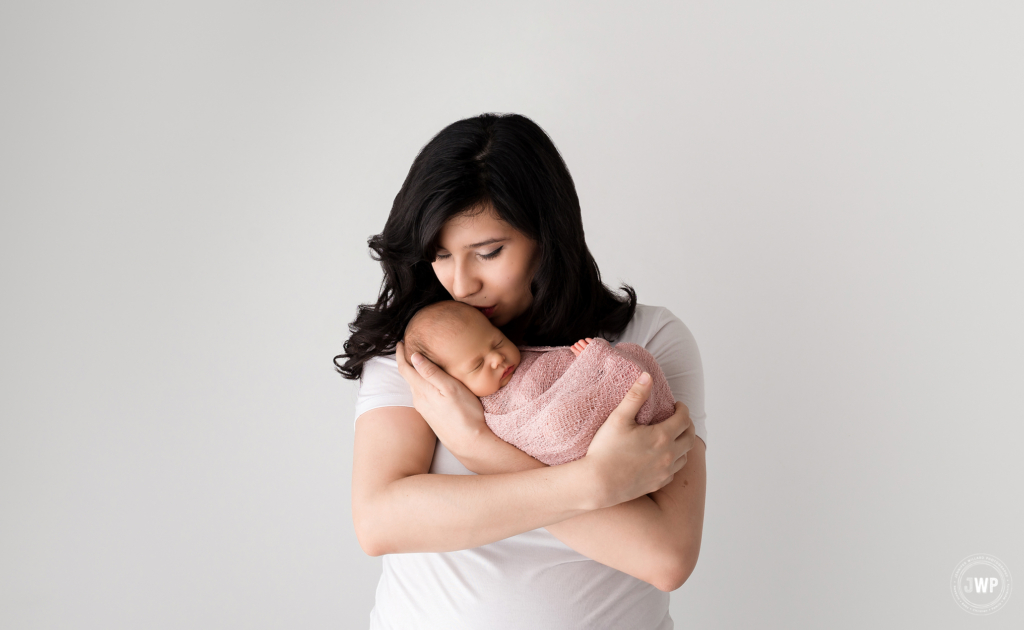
{"x": 416, "y": 358}
{"x": 645, "y": 378}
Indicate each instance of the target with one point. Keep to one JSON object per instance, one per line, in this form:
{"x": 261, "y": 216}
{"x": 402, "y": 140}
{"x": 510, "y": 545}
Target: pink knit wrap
{"x": 556, "y": 401}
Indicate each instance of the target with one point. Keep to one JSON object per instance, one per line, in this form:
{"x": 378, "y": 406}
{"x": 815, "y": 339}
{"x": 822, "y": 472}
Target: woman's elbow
{"x": 677, "y": 574}
{"x": 367, "y": 533}
{"x": 369, "y": 546}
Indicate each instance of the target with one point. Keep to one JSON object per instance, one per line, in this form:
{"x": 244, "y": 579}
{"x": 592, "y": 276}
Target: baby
{"x": 547, "y": 401}
{"x": 460, "y": 340}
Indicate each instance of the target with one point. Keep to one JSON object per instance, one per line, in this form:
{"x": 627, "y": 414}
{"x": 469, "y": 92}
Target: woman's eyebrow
{"x": 489, "y": 241}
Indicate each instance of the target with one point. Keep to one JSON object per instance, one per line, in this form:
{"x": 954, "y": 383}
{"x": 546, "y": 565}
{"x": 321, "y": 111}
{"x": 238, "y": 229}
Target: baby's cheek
{"x": 479, "y": 388}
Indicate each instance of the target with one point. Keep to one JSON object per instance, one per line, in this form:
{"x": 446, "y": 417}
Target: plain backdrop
{"x": 830, "y": 195}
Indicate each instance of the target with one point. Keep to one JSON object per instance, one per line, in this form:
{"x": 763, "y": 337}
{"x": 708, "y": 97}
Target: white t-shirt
{"x": 533, "y": 580}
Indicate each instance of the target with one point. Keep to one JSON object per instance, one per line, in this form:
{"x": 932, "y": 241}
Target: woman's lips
{"x": 487, "y": 310}
{"x": 511, "y": 368}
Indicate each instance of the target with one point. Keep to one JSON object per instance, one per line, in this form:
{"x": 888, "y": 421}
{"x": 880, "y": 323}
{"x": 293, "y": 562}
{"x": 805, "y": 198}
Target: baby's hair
{"x": 435, "y": 324}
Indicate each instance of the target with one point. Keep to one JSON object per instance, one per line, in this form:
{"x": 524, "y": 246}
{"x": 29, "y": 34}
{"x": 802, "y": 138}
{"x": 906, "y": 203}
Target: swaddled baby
{"x": 546, "y": 401}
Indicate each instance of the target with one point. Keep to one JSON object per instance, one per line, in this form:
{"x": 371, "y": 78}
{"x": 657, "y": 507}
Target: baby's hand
{"x": 579, "y": 346}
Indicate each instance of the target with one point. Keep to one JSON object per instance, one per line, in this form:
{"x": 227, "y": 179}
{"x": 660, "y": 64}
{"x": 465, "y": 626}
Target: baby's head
{"x": 460, "y": 340}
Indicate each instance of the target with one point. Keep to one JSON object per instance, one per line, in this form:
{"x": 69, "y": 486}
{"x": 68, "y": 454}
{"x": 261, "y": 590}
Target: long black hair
{"x": 508, "y": 162}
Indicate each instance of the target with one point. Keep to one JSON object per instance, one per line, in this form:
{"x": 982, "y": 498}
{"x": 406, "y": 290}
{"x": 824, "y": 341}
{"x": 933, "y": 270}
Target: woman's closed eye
{"x": 489, "y": 256}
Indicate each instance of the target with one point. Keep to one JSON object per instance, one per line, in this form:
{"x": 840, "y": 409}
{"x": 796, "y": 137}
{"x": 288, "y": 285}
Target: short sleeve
{"x": 675, "y": 350}
{"x": 381, "y": 385}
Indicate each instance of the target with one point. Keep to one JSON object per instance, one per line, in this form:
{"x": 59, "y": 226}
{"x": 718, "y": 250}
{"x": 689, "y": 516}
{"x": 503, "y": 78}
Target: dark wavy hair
{"x": 508, "y": 162}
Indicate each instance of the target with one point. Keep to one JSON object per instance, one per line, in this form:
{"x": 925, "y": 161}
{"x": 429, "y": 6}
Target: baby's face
{"x": 481, "y": 357}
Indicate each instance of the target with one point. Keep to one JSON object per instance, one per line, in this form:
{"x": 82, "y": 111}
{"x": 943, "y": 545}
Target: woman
{"x": 489, "y": 216}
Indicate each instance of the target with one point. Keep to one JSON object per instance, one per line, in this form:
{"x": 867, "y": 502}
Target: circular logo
{"x": 981, "y": 584}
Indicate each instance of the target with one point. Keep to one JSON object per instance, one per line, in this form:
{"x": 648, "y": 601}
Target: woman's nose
{"x": 464, "y": 282}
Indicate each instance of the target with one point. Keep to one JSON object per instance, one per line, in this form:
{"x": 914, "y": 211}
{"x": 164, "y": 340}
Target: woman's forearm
{"x": 491, "y": 455}
{"x": 629, "y": 536}
{"x": 433, "y": 513}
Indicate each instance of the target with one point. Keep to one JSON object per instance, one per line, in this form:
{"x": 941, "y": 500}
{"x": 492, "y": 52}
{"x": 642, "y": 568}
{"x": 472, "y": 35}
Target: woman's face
{"x": 486, "y": 263}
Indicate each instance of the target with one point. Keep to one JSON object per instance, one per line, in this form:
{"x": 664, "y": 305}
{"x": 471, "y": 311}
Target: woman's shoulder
{"x": 381, "y": 362}
{"x": 650, "y": 322}
{"x": 381, "y": 385}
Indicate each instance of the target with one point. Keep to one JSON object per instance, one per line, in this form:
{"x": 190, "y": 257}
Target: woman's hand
{"x": 631, "y": 460}
{"x": 452, "y": 411}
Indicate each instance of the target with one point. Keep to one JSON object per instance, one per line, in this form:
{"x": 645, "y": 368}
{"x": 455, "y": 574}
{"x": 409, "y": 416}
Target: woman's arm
{"x": 398, "y": 508}
{"x": 655, "y": 538}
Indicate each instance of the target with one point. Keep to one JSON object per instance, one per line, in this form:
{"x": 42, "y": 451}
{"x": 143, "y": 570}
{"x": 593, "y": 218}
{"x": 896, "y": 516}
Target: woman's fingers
{"x": 684, "y": 440}
{"x": 434, "y": 375}
{"x": 635, "y": 398}
{"x": 679, "y": 463}
{"x": 421, "y": 366}
{"x": 404, "y": 368}
{"x": 681, "y": 418}
{"x": 400, "y": 359}
{"x": 409, "y": 372}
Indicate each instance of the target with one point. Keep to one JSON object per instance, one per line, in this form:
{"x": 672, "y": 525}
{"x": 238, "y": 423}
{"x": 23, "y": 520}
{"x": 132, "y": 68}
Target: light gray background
{"x": 830, "y": 196}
